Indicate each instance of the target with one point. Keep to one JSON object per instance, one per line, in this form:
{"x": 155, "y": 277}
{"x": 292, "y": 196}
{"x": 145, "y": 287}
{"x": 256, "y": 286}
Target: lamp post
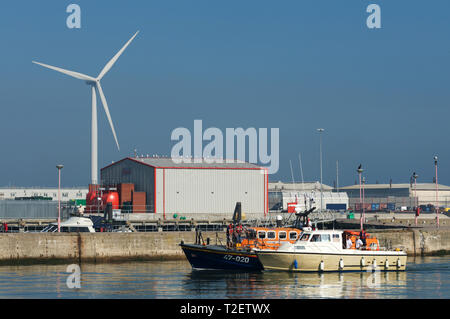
{"x": 59, "y": 167}
{"x": 363, "y": 219}
{"x": 320, "y": 130}
{"x": 416, "y": 202}
{"x": 437, "y": 191}
{"x": 360, "y": 170}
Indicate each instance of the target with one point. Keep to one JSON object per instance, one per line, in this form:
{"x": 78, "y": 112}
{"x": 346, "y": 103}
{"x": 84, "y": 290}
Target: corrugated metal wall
{"x": 126, "y": 171}
{"x": 30, "y": 209}
{"x": 209, "y": 190}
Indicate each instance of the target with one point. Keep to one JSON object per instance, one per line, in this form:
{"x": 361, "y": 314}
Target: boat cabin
{"x": 338, "y": 239}
{"x": 72, "y": 225}
{"x": 268, "y": 238}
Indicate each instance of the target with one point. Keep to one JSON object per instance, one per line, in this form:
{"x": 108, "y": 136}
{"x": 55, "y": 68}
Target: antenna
{"x": 301, "y": 170}
{"x": 292, "y": 172}
{"x": 292, "y": 175}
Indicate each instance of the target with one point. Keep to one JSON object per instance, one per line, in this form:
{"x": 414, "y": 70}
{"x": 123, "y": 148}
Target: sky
{"x": 382, "y": 95}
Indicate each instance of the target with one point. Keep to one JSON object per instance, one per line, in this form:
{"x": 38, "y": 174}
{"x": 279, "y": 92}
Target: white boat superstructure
{"x": 72, "y": 225}
{"x": 325, "y": 250}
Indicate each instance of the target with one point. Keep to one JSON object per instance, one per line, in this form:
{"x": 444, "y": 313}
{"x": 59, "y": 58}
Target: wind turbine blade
{"x": 111, "y": 62}
{"x": 105, "y": 106}
{"x": 71, "y": 73}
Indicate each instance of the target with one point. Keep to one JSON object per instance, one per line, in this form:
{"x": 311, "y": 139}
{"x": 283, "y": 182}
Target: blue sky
{"x": 381, "y": 95}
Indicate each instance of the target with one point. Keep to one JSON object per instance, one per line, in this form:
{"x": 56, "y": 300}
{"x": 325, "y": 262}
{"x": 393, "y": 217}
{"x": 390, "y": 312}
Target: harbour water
{"x": 425, "y": 277}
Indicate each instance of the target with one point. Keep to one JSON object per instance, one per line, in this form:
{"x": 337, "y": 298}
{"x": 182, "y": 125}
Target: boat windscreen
{"x": 50, "y": 229}
{"x": 305, "y": 237}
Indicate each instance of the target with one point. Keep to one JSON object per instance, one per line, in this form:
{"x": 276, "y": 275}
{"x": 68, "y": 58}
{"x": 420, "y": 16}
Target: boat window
{"x": 261, "y": 234}
{"x": 325, "y": 237}
{"x": 315, "y": 238}
{"x": 64, "y": 229}
{"x": 282, "y": 235}
{"x": 305, "y": 237}
{"x": 50, "y": 229}
{"x": 336, "y": 238}
{"x": 271, "y": 235}
{"x": 83, "y": 230}
{"x": 292, "y": 235}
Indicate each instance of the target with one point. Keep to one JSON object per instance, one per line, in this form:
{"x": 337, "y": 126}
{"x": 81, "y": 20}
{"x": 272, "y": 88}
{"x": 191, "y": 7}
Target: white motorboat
{"x": 72, "y": 225}
{"x": 325, "y": 250}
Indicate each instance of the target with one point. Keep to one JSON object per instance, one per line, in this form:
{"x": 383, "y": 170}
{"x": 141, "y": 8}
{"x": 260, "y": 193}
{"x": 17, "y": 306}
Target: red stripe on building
{"x": 267, "y": 190}
{"x": 164, "y": 193}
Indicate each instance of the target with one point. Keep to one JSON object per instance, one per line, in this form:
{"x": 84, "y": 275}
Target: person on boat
{"x": 229, "y": 234}
{"x": 363, "y": 237}
{"x": 309, "y": 224}
{"x": 349, "y": 243}
{"x": 359, "y": 243}
{"x": 238, "y": 233}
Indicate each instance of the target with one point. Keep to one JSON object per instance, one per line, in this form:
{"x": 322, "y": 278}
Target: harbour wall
{"x": 30, "y": 248}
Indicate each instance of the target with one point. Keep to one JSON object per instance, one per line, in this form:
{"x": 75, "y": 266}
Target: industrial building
{"x": 284, "y": 196}
{"x": 398, "y": 196}
{"x": 170, "y": 187}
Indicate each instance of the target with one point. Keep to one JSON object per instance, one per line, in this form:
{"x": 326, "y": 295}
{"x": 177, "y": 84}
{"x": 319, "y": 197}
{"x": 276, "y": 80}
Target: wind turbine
{"x": 95, "y": 85}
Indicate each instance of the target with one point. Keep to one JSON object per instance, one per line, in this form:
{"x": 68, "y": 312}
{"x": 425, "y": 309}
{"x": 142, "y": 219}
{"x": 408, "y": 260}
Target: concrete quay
{"x": 31, "y": 248}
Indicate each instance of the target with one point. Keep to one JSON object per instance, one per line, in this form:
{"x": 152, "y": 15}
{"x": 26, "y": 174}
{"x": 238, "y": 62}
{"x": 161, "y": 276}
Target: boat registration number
{"x": 240, "y": 259}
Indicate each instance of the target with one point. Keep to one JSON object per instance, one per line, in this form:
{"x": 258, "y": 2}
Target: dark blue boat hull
{"x": 219, "y": 257}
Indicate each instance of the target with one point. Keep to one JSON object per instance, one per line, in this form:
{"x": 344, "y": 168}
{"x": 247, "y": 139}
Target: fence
{"x": 382, "y": 203}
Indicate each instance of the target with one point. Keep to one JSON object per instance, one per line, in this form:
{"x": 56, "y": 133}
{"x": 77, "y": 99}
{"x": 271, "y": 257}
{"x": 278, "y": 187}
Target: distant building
{"x": 43, "y": 192}
{"x": 36, "y": 202}
{"x": 306, "y": 195}
{"x": 398, "y": 195}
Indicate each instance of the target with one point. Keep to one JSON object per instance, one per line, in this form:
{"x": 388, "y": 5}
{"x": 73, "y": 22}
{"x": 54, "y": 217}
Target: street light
{"x": 59, "y": 167}
{"x": 437, "y": 191}
{"x": 360, "y": 170}
{"x": 363, "y": 220}
{"x": 414, "y": 175}
{"x": 320, "y": 130}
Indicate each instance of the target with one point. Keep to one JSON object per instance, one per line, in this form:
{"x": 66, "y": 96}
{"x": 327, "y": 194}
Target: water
{"x": 426, "y": 277}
